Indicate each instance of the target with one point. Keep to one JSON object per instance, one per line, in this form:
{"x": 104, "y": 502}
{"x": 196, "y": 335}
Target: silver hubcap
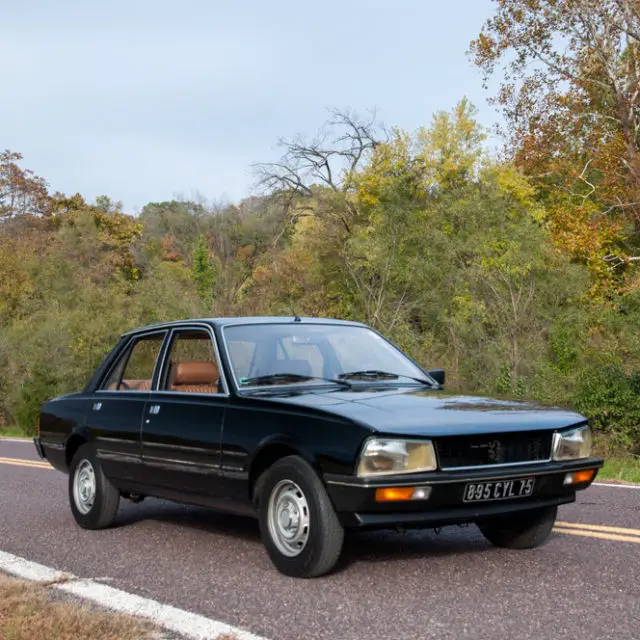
{"x": 288, "y": 517}
{"x": 84, "y": 487}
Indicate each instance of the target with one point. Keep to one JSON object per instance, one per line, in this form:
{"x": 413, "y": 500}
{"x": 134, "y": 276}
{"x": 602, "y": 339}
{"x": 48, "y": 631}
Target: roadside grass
{"x": 29, "y": 611}
{"x": 13, "y": 432}
{"x": 625, "y": 469}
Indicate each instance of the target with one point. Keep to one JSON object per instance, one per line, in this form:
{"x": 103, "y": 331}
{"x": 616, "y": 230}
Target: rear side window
{"x": 134, "y": 370}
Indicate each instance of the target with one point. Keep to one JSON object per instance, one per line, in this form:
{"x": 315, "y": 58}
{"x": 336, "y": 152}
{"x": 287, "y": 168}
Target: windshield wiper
{"x": 283, "y": 378}
{"x": 375, "y": 374}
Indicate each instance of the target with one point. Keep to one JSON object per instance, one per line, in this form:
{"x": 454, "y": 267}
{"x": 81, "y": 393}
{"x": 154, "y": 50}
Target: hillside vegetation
{"x": 518, "y": 272}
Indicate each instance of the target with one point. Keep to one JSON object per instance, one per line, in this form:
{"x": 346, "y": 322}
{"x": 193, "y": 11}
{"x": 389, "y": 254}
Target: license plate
{"x": 498, "y": 490}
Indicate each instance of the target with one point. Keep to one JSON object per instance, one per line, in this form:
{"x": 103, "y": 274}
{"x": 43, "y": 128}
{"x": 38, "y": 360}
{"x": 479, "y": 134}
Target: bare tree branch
{"x": 327, "y": 161}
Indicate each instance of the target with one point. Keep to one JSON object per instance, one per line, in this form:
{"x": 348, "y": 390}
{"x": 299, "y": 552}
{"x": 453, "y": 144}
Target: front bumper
{"x": 354, "y": 498}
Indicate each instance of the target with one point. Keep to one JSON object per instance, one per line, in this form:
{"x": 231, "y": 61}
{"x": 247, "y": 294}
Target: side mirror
{"x": 438, "y": 375}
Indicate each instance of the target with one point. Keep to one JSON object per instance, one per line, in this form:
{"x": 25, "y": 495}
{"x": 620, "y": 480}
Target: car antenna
{"x": 296, "y": 317}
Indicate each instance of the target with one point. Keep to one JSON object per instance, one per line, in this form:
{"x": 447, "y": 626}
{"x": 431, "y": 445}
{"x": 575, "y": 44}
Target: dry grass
{"x": 27, "y": 612}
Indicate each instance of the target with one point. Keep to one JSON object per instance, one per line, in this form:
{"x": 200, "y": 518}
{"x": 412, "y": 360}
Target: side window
{"x": 192, "y": 366}
{"x": 134, "y": 370}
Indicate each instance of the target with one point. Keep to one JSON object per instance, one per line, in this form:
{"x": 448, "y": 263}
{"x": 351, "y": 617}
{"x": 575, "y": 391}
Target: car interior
{"x": 193, "y": 377}
{"x": 192, "y": 365}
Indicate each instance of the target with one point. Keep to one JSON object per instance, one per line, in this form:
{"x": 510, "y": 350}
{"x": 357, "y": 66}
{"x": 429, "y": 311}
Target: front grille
{"x": 494, "y": 448}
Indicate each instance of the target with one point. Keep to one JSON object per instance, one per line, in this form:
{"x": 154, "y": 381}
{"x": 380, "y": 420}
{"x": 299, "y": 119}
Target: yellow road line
{"x": 26, "y": 463}
{"x": 599, "y": 527}
{"x": 596, "y": 534}
{"x": 41, "y": 462}
{"x": 30, "y": 466}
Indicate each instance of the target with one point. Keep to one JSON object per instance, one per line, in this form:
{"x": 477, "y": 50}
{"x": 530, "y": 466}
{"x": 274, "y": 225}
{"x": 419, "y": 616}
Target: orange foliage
{"x": 170, "y": 249}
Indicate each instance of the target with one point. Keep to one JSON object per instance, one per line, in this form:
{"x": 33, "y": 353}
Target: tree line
{"x": 517, "y": 271}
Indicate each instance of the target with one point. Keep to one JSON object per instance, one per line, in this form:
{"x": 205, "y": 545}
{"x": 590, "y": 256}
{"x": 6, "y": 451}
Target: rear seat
{"x": 188, "y": 377}
{"x": 138, "y": 385}
{"x": 196, "y": 376}
{"x": 131, "y": 385}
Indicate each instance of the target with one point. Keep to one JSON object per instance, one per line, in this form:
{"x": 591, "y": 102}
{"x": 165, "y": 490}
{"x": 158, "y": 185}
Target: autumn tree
{"x": 313, "y": 185}
{"x": 70, "y": 284}
{"x": 172, "y": 227}
{"x": 21, "y": 191}
{"x": 233, "y": 252}
{"x": 453, "y": 258}
{"x": 570, "y": 94}
{"x": 446, "y": 254}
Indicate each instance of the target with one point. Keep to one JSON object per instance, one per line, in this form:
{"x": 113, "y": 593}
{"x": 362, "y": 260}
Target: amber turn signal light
{"x": 579, "y": 477}
{"x": 391, "y": 494}
{"x": 398, "y": 494}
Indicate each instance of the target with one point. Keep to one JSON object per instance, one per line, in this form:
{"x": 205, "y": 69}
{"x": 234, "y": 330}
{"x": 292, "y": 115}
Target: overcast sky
{"x": 145, "y": 99}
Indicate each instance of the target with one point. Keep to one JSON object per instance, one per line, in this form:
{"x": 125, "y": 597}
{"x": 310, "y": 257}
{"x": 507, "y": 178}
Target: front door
{"x": 182, "y": 425}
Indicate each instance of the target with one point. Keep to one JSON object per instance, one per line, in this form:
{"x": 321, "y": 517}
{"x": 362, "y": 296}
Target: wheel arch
{"x": 272, "y": 450}
{"x": 75, "y": 440}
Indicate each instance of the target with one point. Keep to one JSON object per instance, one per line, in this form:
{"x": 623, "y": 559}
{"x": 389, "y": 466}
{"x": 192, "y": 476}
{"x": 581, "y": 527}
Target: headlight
{"x": 572, "y": 445}
{"x": 384, "y": 456}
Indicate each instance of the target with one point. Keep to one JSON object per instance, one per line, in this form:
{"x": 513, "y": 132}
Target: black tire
{"x": 520, "y": 531}
{"x": 102, "y": 512}
{"x": 325, "y": 533}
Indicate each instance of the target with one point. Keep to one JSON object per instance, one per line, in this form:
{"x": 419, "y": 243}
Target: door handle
{"x": 154, "y": 409}
{"x": 97, "y": 406}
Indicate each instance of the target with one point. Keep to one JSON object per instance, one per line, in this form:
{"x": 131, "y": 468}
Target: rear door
{"x": 182, "y": 426}
{"x": 117, "y": 407}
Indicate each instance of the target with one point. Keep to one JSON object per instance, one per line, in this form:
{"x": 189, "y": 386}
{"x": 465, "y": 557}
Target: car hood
{"x": 423, "y": 412}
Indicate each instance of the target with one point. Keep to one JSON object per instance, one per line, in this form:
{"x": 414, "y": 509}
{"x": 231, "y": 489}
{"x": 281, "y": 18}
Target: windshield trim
{"x": 241, "y": 388}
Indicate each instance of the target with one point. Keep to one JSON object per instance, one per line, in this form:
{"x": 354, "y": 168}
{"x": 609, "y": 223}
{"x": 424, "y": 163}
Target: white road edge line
{"x": 191, "y": 625}
{"x": 617, "y": 486}
{"x": 3, "y": 439}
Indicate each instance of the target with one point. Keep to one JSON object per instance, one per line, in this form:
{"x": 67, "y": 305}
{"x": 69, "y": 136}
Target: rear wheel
{"x": 520, "y": 531}
{"x": 94, "y": 500}
{"x": 298, "y": 524}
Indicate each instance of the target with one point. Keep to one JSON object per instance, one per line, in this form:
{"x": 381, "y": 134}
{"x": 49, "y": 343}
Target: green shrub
{"x": 610, "y": 399}
{"x": 38, "y": 388}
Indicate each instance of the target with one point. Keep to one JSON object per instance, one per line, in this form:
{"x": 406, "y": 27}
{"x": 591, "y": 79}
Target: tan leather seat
{"x": 194, "y": 377}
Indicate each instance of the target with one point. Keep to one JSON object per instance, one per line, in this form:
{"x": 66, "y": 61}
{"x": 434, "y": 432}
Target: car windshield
{"x": 298, "y": 353}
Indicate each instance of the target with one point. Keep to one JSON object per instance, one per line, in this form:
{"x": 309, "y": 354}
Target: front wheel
{"x": 520, "y": 531}
{"x": 298, "y": 524}
{"x": 94, "y": 500}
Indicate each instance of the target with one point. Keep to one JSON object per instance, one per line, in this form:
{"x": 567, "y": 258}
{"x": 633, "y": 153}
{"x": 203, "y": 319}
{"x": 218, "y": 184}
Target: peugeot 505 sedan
{"x": 314, "y": 427}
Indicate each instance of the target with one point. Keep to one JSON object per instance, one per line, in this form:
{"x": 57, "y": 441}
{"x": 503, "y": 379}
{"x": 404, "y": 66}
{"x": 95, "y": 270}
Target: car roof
{"x": 226, "y": 322}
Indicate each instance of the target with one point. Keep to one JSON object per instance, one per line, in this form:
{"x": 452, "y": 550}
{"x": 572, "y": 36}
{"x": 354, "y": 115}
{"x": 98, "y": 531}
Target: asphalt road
{"x": 584, "y": 583}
